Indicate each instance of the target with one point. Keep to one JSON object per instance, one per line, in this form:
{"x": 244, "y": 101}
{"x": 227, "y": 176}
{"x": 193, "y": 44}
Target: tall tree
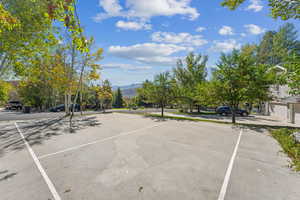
{"x": 285, "y": 9}
{"x": 118, "y": 99}
{"x": 159, "y": 91}
{"x": 189, "y": 76}
{"x": 232, "y": 79}
{"x": 27, "y": 28}
{"x": 276, "y": 46}
{"x": 105, "y": 94}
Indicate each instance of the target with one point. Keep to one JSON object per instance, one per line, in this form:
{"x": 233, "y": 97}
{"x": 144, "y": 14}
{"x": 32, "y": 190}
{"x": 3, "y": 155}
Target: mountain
{"x": 128, "y": 90}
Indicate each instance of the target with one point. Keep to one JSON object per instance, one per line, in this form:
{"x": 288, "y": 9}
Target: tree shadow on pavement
{"x": 38, "y": 131}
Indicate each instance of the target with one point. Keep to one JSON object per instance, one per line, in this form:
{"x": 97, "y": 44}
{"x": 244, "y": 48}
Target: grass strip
{"x": 289, "y": 145}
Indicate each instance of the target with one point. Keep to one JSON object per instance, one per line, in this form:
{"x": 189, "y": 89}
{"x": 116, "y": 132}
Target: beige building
{"x": 284, "y": 106}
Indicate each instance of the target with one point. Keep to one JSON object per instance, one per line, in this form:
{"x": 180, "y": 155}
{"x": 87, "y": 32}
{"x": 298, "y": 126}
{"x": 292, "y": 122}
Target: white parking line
{"x": 229, "y": 169}
{"x": 39, "y": 166}
{"x": 97, "y": 141}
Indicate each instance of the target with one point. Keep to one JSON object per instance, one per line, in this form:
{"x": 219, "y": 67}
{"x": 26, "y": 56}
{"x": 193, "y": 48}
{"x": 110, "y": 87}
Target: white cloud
{"x": 255, "y": 5}
{"x": 150, "y": 53}
{"x": 243, "y": 34}
{"x": 131, "y": 25}
{"x": 225, "y": 46}
{"x": 226, "y": 30}
{"x": 200, "y": 29}
{"x": 127, "y": 67}
{"x": 254, "y": 29}
{"x": 145, "y": 9}
{"x": 184, "y": 39}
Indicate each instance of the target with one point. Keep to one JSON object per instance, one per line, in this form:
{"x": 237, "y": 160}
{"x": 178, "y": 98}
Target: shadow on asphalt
{"x": 37, "y": 132}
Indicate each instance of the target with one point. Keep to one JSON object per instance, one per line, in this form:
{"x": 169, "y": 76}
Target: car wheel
{"x": 244, "y": 114}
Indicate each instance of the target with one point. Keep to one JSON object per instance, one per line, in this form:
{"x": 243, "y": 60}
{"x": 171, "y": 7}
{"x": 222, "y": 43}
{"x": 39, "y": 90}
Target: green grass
{"x": 187, "y": 118}
{"x": 218, "y": 122}
{"x": 195, "y": 113}
{"x": 289, "y": 145}
{"x": 120, "y": 108}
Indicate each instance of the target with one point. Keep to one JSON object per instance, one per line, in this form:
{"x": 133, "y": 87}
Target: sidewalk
{"x": 252, "y": 119}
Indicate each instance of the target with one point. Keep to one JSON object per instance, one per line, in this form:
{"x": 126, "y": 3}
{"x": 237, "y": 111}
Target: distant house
{"x": 284, "y": 106}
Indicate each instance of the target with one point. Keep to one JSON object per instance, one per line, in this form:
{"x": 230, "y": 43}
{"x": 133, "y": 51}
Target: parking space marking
{"x": 97, "y": 141}
{"x": 39, "y": 166}
{"x": 229, "y": 169}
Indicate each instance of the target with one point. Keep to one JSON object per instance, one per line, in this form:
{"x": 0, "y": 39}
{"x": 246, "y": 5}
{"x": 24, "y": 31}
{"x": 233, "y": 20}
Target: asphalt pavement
{"x": 120, "y": 156}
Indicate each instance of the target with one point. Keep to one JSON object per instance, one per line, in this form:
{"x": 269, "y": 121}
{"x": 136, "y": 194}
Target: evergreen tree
{"x": 118, "y": 99}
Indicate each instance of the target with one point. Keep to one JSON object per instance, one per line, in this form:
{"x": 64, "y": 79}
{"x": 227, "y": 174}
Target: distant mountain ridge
{"x": 128, "y": 90}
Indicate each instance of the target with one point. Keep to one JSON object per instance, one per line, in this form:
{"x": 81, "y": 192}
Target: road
{"x": 121, "y": 156}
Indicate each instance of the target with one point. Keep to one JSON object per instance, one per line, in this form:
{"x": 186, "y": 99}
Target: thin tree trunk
{"x": 162, "y": 110}
{"x": 234, "y": 114}
{"x": 80, "y": 105}
{"x": 198, "y": 107}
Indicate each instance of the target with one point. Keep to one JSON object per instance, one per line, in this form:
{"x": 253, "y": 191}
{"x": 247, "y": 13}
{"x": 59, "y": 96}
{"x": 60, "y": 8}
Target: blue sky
{"x": 141, "y": 38}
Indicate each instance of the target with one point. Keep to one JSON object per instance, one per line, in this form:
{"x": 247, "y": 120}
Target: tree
{"x": 293, "y": 75}
{"x": 187, "y": 78}
{"x": 159, "y": 91}
{"x": 284, "y": 9}
{"x": 232, "y": 79}
{"x": 104, "y": 93}
{"x": 4, "y": 91}
{"x": 206, "y": 94}
{"x": 27, "y": 28}
{"x": 276, "y": 46}
{"x": 118, "y": 99}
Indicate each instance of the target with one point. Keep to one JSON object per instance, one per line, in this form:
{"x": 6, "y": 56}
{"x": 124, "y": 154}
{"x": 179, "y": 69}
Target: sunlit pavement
{"x": 122, "y": 156}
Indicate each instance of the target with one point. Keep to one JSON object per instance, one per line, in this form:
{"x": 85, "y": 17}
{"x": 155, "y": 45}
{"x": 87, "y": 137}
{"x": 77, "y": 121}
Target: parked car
{"x": 14, "y": 105}
{"x": 61, "y": 107}
{"x": 226, "y": 110}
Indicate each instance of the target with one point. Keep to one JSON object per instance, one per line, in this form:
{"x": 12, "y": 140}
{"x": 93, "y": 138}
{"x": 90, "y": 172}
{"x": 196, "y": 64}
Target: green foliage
{"x": 188, "y": 77}
{"x": 293, "y": 75}
{"x": 289, "y": 145}
{"x": 5, "y": 88}
{"x": 118, "y": 99}
{"x": 27, "y": 29}
{"x": 238, "y": 79}
{"x": 206, "y": 94}
{"x": 279, "y": 8}
{"x": 159, "y": 91}
{"x": 104, "y": 93}
{"x": 276, "y": 47}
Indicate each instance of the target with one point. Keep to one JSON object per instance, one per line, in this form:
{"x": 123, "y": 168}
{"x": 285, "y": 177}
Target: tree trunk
{"x": 233, "y": 114}
{"x": 198, "y": 108}
{"x": 191, "y": 107}
{"x": 162, "y": 110}
{"x": 80, "y": 104}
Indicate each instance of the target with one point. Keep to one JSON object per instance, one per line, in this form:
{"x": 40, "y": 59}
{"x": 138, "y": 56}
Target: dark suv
{"x": 226, "y": 110}
{"x": 14, "y": 105}
{"x": 61, "y": 107}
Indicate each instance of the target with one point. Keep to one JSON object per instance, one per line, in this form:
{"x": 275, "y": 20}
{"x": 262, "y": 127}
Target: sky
{"x": 142, "y": 38}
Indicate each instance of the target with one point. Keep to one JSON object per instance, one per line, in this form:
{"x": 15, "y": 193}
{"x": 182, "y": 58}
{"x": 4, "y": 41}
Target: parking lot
{"x": 124, "y": 156}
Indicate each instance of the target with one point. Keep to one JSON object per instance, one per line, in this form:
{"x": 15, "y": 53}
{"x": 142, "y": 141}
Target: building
{"x": 284, "y": 106}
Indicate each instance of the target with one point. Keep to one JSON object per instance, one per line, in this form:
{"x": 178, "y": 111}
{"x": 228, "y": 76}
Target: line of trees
{"x": 241, "y": 77}
{"x": 43, "y": 45}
